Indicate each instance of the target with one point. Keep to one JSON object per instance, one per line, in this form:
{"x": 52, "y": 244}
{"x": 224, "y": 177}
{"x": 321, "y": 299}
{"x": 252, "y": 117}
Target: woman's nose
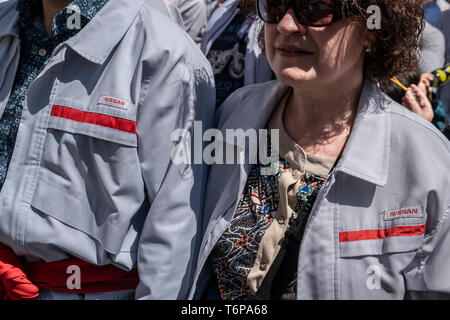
{"x": 289, "y": 24}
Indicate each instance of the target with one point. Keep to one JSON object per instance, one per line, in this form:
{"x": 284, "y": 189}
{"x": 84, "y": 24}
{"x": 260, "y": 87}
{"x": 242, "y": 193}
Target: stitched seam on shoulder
{"x": 422, "y": 125}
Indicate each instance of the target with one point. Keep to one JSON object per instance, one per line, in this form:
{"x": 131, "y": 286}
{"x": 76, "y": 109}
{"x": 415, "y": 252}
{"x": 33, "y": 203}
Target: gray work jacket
{"x": 380, "y": 227}
{"x": 169, "y": 8}
{"x": 91, "y": 173}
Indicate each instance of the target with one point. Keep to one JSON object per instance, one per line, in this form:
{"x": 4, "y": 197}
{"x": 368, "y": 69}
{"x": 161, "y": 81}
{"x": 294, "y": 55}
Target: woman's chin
{"x": 293, "y": 76}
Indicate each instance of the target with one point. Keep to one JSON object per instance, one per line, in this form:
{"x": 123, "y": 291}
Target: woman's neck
{"x": 320, "y": 120}
{"x": 50, "y": 9}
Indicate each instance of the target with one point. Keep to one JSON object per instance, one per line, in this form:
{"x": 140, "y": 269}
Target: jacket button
{"x": 263, "y": 267}
{"x": 42, "y": 52}
{"x": 281, "y": 220}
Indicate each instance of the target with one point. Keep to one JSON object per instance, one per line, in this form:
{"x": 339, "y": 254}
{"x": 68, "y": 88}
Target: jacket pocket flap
{"x": 77, "y": 213}
{"x": 97, "y": 125}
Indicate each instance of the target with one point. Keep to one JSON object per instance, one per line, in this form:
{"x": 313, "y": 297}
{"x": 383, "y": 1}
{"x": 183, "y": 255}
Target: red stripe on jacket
{"x": 403, "y": 231}
{"x": 94, "y": 118}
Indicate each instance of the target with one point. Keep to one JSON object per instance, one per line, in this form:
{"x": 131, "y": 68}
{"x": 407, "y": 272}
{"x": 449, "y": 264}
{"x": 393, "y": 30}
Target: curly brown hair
{"x": 395, "y": 46}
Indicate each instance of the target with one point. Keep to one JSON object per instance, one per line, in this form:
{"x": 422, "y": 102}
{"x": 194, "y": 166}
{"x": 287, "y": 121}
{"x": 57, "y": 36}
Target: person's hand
{"x": 425, "y": 85}
{"x": 418, "y": 103}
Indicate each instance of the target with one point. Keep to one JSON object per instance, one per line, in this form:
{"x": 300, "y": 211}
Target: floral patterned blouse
{"x": 242, "y": 256}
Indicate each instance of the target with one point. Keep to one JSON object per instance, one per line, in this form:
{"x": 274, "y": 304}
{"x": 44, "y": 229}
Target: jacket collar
{"x": 115, "y": 17}
{"x": 366, "y": 154}
{"x": 254, "y": 110}
{"x": 9, "y": 19}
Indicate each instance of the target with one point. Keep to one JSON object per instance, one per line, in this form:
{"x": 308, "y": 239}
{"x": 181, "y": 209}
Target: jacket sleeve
{"x": 428, "y": 277}
{"x": 179, "y": 92}
{"x": 194, "y": 14}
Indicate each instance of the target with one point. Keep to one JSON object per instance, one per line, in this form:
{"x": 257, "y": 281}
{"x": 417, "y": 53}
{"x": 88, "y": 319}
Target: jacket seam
{"x": 144, "y": 94}
{"x": 101, "y": 59}
{"x": 38, "y": 149}
{"x": 432, "y": 233}
{"x": 425, "y": 126}
{"x": 337, "y": 294}
{"x": 441, "y": 221}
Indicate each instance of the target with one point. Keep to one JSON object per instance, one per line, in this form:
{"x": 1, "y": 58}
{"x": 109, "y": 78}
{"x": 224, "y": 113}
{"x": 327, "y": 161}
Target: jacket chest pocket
{"x": 89, "y": 175}
{"x": 372, "y": 260}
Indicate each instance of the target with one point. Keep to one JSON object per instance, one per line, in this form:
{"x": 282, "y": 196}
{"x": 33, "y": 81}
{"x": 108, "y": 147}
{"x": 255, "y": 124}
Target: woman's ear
{"x": 369, "y": 39}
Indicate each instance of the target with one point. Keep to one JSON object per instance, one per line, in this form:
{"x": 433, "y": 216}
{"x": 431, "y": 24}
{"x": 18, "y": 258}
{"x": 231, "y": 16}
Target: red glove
{"x": 14, "y": 284}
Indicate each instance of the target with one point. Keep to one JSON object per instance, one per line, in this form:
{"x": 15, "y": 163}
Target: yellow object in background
{"x": 397, "y": 82}
{"x": 441, "y": 76}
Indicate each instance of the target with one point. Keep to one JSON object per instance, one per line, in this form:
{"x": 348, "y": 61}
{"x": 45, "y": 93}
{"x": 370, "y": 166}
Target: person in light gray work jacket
{"x": 91, "y": 205}
{"x": 355, "y": 200}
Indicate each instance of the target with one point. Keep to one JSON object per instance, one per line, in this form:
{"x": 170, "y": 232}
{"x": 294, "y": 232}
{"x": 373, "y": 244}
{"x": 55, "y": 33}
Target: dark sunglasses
{"x": 314, "y": 13}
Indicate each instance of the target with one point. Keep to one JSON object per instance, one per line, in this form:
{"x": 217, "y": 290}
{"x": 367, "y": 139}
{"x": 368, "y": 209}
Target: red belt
{"x": 19, "y": 282}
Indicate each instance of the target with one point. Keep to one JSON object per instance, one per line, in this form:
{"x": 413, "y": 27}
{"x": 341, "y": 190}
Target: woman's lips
{"x": 292, "y": 51}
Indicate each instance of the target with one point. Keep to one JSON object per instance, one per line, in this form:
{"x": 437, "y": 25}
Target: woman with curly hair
{"x": 358, "y": 205}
